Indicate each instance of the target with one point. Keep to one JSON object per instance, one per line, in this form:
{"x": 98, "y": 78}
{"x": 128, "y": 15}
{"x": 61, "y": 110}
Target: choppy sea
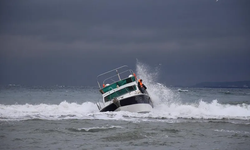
{"x": 64, "y": 117}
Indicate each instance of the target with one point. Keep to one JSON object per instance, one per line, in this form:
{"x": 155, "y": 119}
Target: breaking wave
{"x": 88, "y": 110}
{"x": 161, "y": 112}
{"x": 167, "y": 106}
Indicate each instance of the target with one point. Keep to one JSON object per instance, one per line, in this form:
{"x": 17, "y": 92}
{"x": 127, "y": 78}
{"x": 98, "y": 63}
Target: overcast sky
{"x": 70, "y": 42}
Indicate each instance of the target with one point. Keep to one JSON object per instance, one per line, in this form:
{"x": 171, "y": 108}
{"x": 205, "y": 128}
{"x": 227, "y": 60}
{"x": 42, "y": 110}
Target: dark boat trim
{"x": 137, "y": 99}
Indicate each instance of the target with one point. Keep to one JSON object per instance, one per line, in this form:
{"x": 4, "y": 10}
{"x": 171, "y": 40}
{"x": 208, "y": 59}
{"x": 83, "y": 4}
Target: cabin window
{"x": 120, "y": 93}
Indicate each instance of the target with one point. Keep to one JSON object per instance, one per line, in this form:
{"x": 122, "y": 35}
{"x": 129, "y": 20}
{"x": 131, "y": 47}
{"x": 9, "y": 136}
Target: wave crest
{"x": 88, "y": 110}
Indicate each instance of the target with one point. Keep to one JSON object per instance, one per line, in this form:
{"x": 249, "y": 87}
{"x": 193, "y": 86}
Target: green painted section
{"x": 120, "y": 93}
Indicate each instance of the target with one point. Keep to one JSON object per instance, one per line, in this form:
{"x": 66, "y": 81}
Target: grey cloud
{"x": 191, "y": 39}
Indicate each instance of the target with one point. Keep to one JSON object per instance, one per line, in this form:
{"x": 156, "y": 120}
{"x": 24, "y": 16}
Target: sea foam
{"x": 88, "y": 110}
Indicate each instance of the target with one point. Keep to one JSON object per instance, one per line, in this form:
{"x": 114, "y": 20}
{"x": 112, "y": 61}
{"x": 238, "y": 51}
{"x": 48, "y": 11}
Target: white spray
{"x": 159, "y": 93}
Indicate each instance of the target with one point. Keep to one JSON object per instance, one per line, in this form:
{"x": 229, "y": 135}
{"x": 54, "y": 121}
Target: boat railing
{"x": 114, "y": 76}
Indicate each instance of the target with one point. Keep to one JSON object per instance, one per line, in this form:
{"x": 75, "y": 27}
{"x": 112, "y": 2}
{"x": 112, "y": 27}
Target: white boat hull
{"x": 139, "y": 108}
{"x": 137, "y": 103}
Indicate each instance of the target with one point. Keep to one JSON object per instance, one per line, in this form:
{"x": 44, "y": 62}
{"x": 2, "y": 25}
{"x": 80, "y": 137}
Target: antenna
{"x": 118, "y": 75}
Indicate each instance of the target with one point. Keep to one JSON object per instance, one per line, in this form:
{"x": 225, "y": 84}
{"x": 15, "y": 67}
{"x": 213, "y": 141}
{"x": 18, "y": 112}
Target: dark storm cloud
{"x": 193, "y": 40}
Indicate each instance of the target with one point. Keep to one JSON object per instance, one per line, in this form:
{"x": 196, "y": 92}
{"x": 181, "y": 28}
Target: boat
{"x": 120, "y": 92}
{"x": 180, "y": 90}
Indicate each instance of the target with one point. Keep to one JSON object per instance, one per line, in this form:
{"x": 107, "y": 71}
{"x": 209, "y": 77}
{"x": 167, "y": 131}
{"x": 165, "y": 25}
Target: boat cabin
{"x": 117, "y": 84}
{"x": 120, "y": 89}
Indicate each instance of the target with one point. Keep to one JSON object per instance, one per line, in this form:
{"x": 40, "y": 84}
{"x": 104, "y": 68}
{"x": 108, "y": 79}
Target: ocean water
{"x": 62, "y": 117}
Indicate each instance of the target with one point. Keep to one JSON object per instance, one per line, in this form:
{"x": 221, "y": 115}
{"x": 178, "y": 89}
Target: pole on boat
{"x": 99, "y": 84}
{"x": 118, "y": 75}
